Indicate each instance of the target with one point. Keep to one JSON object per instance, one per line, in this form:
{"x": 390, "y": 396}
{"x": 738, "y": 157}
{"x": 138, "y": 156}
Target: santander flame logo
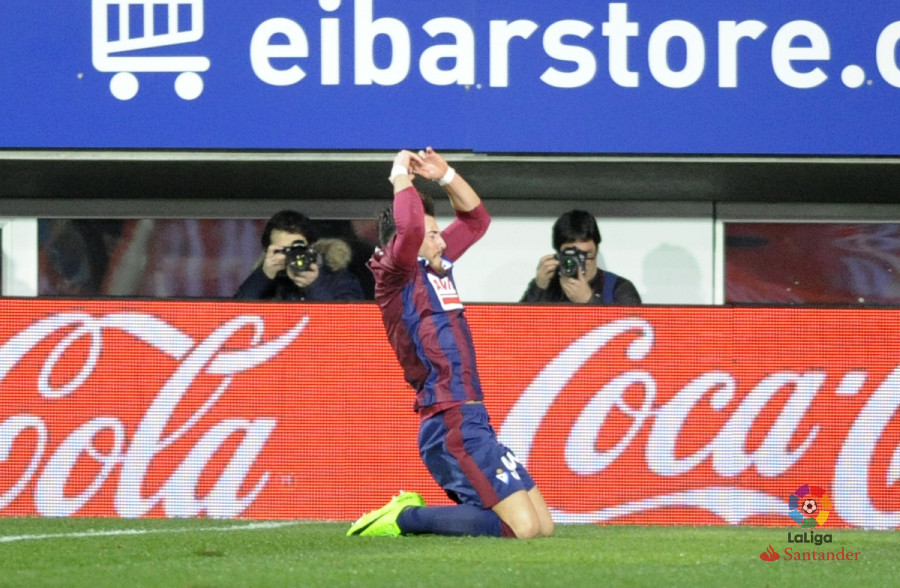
{"x": 769, "y": 554}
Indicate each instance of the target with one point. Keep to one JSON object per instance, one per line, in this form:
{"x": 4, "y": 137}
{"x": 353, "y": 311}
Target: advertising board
{"x": 647, "y": 76}
{"x": 664, "y": 415}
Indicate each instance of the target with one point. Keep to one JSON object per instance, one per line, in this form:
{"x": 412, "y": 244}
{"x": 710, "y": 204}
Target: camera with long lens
{"x": 299, "y": 257}
{"x": 571, "y": 261}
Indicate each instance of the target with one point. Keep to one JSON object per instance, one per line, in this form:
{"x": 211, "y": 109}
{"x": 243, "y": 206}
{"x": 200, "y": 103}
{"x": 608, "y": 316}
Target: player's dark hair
{"x": 386, "y": 225}
{"x": 385, "y": 221}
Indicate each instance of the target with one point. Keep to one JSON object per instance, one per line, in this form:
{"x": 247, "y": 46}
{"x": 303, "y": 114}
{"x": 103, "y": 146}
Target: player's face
{"x": 433, "y": 246}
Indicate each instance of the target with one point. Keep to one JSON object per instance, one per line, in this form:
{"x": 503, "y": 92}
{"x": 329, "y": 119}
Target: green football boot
{"x": 382, "y": 522}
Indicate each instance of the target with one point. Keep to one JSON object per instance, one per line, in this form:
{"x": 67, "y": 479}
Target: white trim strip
{"x": 120, "y": 532}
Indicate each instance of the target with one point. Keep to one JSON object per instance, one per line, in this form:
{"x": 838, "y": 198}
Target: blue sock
{"x": 462, "y": 519}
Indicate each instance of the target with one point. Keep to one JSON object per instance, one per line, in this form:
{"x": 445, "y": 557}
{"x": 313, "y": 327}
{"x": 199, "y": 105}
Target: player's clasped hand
{"x": 408, "y": 160}
{"x": 431, "y": 165}
{"x": 427, "y": 163}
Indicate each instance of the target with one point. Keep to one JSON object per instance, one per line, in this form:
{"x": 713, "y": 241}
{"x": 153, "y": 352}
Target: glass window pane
{"x": 168, "y": 258}
{"x": 812, "y": 263}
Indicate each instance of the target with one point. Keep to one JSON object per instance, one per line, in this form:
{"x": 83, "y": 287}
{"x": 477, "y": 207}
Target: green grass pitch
{"x": 209, "y": 553}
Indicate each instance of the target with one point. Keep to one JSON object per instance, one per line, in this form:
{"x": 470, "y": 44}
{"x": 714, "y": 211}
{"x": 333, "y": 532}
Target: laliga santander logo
{"x": 809, "y": 506}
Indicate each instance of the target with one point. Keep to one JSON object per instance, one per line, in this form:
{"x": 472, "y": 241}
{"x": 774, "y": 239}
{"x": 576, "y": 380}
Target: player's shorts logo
{"x": 809, "y": 506}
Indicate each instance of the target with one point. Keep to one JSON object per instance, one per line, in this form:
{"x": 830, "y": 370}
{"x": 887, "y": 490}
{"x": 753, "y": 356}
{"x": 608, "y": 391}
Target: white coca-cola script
{"x": 178, "y": 496}
{"x": 726, "y": 451}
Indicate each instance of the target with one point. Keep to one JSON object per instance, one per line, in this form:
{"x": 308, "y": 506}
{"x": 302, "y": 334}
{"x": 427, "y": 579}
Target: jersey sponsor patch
{"x": 446, "y": 291}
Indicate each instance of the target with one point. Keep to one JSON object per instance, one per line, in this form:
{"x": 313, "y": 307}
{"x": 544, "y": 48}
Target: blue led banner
{"x": 806, "y": 77}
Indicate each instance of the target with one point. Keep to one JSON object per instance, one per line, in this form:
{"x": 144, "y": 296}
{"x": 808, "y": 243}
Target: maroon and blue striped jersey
{"x": 421, "y": 309}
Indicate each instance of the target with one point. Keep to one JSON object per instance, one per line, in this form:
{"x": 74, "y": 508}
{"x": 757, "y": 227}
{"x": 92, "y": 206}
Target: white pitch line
{"x": 117, "y": 532}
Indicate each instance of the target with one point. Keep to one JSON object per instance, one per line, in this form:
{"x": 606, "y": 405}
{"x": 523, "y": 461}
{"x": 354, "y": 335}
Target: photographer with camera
{"x": 296, "y": 266}
{"x": 571, "y": 275}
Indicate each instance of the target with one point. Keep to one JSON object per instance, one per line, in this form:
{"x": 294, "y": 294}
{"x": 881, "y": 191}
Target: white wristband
{"x": 397, "y": 170}
{"x": 448, "y": 177}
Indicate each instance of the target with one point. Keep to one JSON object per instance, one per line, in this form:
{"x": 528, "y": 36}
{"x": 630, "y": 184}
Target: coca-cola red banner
{"x": 273, "y": 410}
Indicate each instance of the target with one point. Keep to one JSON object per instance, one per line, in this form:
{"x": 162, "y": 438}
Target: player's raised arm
{"x": 472, "y": 219}
{"x": 401, "y": 173}
{"x": 433, "y": 166}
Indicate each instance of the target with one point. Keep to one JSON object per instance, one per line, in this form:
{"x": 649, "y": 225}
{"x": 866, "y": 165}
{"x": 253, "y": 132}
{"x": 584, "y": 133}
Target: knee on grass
{"x": 528, "y": 527}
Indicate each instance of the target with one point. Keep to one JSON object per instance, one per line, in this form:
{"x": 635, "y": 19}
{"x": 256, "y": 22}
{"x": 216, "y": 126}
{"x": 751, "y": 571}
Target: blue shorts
{"x": 463, "y": 455}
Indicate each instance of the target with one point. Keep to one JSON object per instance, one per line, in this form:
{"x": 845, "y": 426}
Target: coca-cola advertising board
{"x": 660, "y": 415}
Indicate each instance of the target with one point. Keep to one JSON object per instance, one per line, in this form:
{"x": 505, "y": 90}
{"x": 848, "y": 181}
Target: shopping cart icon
{"x": 122, "y": 27}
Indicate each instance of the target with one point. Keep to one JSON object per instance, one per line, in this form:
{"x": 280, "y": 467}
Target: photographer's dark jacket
{"x": 335, "y": 282}
{"x": 608, "y": 288}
